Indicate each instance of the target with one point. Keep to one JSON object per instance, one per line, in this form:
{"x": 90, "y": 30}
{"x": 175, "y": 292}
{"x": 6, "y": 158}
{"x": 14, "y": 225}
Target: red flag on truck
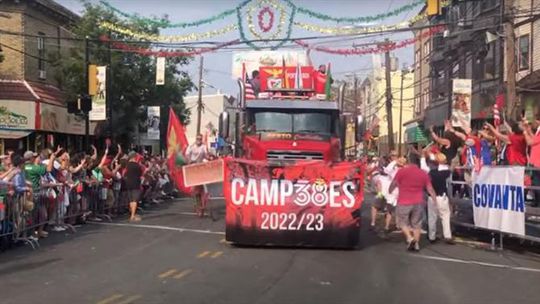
{"x": 176, "y": 146}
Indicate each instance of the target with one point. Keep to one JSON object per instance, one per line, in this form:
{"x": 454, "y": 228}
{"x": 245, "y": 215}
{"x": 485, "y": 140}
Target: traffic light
{"x": 82, "y": 104}
{"x": 433, "y": 7}
{"x": 92, "y": 80}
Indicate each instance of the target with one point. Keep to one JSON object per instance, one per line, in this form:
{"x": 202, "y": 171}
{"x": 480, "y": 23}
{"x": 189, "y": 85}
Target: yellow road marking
{"x": 183, "y": 274}
{"x": 110, "y": 299}
{"x": 130, "y": 299}
{"x": 167, "y": 273}
{"x": 217, "y": 254}
{"x": 203, "y": 254}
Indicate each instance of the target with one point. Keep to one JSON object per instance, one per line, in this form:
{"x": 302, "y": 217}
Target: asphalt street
{"x": 174, "y": 257}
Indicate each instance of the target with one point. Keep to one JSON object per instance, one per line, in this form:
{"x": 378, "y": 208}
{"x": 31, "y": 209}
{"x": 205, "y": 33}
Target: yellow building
{"x": 373, "y": 94}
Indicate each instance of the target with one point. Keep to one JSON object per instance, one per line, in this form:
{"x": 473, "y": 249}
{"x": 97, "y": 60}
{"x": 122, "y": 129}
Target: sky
{"x": 218, "y": 65}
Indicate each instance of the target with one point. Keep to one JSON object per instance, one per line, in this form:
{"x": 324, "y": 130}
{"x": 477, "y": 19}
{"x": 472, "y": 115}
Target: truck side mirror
{"x": 360, "y": 128}
{"x": 224, "y": 125}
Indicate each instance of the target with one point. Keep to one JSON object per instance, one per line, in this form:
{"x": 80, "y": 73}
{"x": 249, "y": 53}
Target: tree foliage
{"x": 132, "y": 76}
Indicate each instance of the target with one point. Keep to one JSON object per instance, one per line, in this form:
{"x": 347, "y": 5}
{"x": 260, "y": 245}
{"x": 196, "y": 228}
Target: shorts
{"x": 410, "y": 215}
{"x": 379, "y": 204}
{"x": 390, "y": 208}
{"x": 134, "y": 195}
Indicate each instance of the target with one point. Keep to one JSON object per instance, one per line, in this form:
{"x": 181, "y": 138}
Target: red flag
{"x": 176, "y": 146}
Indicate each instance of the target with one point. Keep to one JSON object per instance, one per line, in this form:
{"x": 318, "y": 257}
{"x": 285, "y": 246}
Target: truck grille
{"x": 294, "y": 155}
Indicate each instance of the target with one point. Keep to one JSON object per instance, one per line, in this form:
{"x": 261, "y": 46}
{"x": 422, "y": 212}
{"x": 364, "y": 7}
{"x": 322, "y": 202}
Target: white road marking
{"x": 160, "y": 228}
{"x": 429, "y": 257}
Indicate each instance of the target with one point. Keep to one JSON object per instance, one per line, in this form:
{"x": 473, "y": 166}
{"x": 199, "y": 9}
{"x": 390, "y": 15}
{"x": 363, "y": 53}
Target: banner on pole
{"x": 499, "y": 199}
{"x": 160, "y": 71}
{"x": 461, "y": 102}
{"x": 99, "y": 101}
{"x": 153, "y": 120}
{"x": 305, "y": 204}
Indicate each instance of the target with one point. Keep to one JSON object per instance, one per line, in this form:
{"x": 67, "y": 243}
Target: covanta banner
{"x": 307, "y": 204}
{"x": 499, "y": 199}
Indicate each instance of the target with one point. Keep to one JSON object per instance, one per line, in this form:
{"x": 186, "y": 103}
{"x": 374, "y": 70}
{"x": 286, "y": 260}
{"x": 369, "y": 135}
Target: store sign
{"x": 57, "y": 119}
{"x": 17, "y": 115}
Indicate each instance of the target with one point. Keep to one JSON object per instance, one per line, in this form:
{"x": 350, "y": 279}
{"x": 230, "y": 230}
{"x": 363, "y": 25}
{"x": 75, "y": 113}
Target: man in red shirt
{"x": 532, "y": 136}
{"x": 411, "y": 182}
{"x": 517, "y": 146}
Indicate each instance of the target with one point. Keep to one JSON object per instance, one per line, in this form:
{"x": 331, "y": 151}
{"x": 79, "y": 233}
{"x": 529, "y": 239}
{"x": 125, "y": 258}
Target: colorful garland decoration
{"x": 251, "y": 27}
{"x": 168, "y": 38}
{"x": 164, "y": 23}
{"x": 373, "y": 50}
{"x": 159, "y": 53}
{"x": 362, "y": 30}
{"x": 377, "y": 17}
{"x": 260, "y": 16}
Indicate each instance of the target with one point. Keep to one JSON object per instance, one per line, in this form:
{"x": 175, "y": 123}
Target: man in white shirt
{"x": 197, "y": 152}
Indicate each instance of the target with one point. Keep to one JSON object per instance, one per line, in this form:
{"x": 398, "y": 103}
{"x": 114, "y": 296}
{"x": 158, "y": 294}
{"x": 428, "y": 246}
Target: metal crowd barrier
{"x": 22, "y": 215}
{"x": 460, "y": 191}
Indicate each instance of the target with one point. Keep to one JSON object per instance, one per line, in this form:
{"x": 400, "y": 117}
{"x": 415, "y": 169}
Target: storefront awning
{"x": 11, "y": 134}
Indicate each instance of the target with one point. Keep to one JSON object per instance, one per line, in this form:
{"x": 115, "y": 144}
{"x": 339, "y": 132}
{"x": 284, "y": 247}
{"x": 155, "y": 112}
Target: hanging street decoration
{"x": 165, "y": 53}
{"x": 364, "y": 19}
{"x": 265, "y": 33}
{"x": 164, "y": 23}
{"x": 168, "y": 38}
{"x": 381, "y": 48}
{"x": 261, "y": 24}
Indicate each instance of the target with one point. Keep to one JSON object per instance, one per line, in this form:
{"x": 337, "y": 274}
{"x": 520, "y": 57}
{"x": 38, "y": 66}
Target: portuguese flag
{"x": 176, "y": 146}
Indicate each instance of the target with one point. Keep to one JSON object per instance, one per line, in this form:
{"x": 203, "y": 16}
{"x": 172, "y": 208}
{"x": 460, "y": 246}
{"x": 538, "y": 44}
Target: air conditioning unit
{"x": 42, "y": 74}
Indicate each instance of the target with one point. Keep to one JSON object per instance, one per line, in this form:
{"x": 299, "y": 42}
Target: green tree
{"x": 132, "y": 77}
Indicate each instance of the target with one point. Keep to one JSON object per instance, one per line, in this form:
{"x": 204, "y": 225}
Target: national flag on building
{"x": 177, "y": 144}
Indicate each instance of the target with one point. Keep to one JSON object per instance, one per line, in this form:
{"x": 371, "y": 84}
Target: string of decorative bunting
{"x": 164, "y": 23}
{"x": 381, "y": 48}
{"x": 161, "y": 53}
{"x": 168, "y": 38}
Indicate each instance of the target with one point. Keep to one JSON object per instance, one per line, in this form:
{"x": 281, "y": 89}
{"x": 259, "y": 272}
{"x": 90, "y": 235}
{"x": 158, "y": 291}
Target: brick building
{"x": 32, "y": 107}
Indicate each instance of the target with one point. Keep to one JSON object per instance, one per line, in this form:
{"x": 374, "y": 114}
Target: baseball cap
{"x": 29, "y": 155}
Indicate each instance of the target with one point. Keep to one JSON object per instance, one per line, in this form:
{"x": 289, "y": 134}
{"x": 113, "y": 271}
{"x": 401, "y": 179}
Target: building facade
{"x": 33, "y": 111}
{"x": 373, "y": 95}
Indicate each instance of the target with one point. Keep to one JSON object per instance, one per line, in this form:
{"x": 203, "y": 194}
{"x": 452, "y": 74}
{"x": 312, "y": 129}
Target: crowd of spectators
{"x": 53, "y": 190}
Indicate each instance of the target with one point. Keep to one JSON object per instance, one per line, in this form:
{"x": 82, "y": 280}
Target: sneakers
{"x": 58, "y": 229}
{"x": 33, "y": 238}
{"x": 413, "y": 245}
{"x": 43, "y": 234}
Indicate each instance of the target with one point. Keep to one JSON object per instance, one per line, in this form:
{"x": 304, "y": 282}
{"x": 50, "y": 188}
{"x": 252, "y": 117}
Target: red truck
{"x": 293, "y": 141}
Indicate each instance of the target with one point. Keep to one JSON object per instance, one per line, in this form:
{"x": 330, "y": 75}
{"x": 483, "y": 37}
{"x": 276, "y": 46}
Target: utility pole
{"x": 199, "y": 101}
{"x": 355, "y": 92}
{"x": 109, "y": 89}
{"x": 512, "y": 103}
{"x": 87, "y": 86}
{"x": 401, "y": 113}
{"x": 387, "y": 68}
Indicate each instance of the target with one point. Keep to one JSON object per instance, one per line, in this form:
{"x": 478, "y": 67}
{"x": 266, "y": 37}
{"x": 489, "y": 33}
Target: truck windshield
{"x": 316, "y": 123}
